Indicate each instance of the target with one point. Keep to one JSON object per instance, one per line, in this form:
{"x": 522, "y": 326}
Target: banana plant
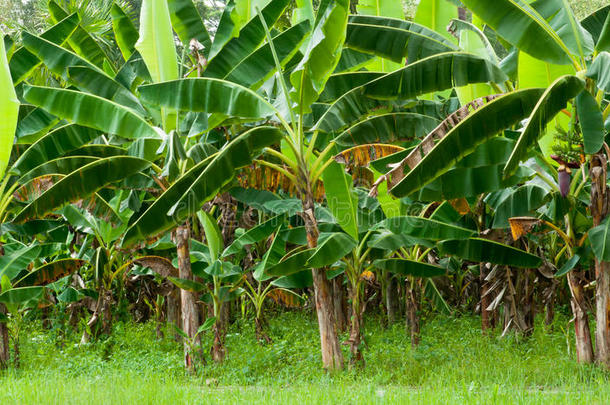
{"x": 559, "y": 40}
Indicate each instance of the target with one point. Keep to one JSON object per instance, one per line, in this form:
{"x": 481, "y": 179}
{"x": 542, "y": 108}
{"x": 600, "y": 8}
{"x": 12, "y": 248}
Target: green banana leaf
{"x": 600, "y": 71}
{"x": 55, "y": 57}
{"x": 435, "y": 73}
{"x": 156, "y": 41}
{"x": 409, "y": 267}
{"x": 599, "y": 237}
{"x": 341, "y": 199}
{"x": 12, "y": 263}
{"x": 201, "y": 183}
{"x": 125, "y": 33}
{"x": 53, "y": 145}
{"x": 188, "y": 24}
{"x": 23, "y": 62}
{"x": 483, "y": 250}
{"x": 208, "y": 95}
{"x": 424, "y": 228}
{"x": 394, "y": 39}
{"x": 436, "y": 15}
{"x": 254, "y": 235}
{"x": 322, "y": 55}
{"x": 250, "y": 38}
{"x": 257, "y": 67}
{"x": 591, "y": 122}
{"x": 524, "y": 201}
{"x": 333, "y": 248}
{"x": 464, "y": 137}
{"x": 82, "y": 183}
{"x": 90, "y": 111}
{"x": 387, "y": 128}
{"x": 294, "y": 263}
{"x": 21, "y": 295}
{"x": 80, "y": 41}
{"x": 594, "y": 22}
{"x": 518, "y": 24}
{"x": 213, "y": 235}
{"x": 554, "y": 99}
{"x": 386, "y": 8}
{"x": 65, "y": 166}
{"x": 51, "y": 272}
{"x": 340, "y": 83}
{"x": 302, "y": 279}
{"x": 9, "y": 111}
{"x": 34, "y": 126}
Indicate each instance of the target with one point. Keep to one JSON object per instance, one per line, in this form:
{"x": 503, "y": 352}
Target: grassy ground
{"x": 454, "y": 364}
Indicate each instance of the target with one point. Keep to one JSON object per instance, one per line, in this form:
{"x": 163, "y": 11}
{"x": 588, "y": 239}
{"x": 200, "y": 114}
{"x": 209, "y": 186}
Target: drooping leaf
{"x": 423, "y": 228}
{"x": 254, "y": 235}
{"x": 53, "y": 145}
{"x": 554, "y": 99}
{"x": 432, "y": 157}
{"x": 483, "y": 250}
{"x": 569, "y": 265}
{"x": 12, "y": 263}
{"x": 90, "y": 111}
{"x": 21, "y": 295}
{"x": 82, "y": 183}
{"x": 388, "y": 128}
{"x": 599, "y": 237}
{"x": 51, "y": 272}
{"x": 23, "y": 62}
{"x": 249, "y": 39}
{"x": 409, "y": 267}
{"x": 518, "y": 24}
{"x": 200, "y": 184}
{"x": 395, "y": 39}
{"x": 333, "y": 248}
{"x": 435, "y": 73}
{"x": 523, "y": 201}
{"x": 292, "y": 264}
{"x": 207, "y": 95}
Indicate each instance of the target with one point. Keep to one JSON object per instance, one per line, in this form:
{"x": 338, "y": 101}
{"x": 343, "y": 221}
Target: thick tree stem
{"x": 412, "y": 309}
{"x": 173, "y": 310}
{"x": 486, "y": 315}
{"x": 4, "y": 342}
{"x": 355, "y": 336}
{"x": 332, "y": 357}
{"x": 584, "y": 347}
{"x": 600, "y": 202}
{"x": 339, "y": 303}
{"x": 391, "y": 293}
{"x": 190, "y": 319}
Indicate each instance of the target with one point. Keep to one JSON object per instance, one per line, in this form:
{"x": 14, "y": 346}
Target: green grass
{"x": 454, "y": 364}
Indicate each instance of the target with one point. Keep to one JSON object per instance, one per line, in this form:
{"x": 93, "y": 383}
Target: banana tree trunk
{"x": 355, "y": 336}
{"x": 173, "y": 310}
{"x": 486, "y": 299}
{"x": 412, "y": 308}
{"x": 4, "y": 342}
{"x": 599, "y": 211}
{"x": 190, "y": 320}
{"x": 584, "y": 347}
{"x": 391, "y": 292}
{"x": 339, "y": 303}
{"x": 332, "y": 357}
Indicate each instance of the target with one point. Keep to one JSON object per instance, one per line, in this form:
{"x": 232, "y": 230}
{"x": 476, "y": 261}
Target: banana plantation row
{"x": 333, "y": 156}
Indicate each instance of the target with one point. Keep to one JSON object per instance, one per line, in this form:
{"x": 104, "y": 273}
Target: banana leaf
{"x": 9, "y": 111}
{"x": 554, "y": 99}
{"x": 409, "y": 267}
{"x": 90, "y": 111}
{"x": 82, "y": 183}
{"x": 188, "y": 24}
{"x": 198, "y": 185}
{"x": 51, "y": 272}
{"x": 483, "y": 250}
{"x": 424, "y": 228}
{"x": 125, "y": 33}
